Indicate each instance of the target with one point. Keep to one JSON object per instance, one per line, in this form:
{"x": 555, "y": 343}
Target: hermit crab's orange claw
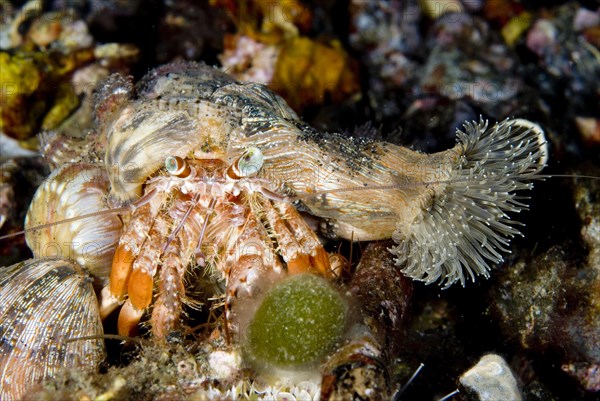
{"x": 120, "y": 272}
{"x": 129, "y": 317}
{"x": 321, "y": 262}
{"x": 137, "y": 284}
{"x": 139, "y": 288}
{"x": 317, "y": 263}
{"x": 300, "y": 264}
{"x": 311, "y": 257}
{"x": 112, "y": 295}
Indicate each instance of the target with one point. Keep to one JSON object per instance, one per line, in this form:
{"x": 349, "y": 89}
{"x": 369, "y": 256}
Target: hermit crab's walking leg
{"x": 299, "y": 246}
{"x": 311, "y": 244}
{"x": 171, "y": 290}
{"x": 135, "y": 261}
{"x": 140, "y": 284}
{"x": 250, "y": 266}
{"x": 180, "y": 247}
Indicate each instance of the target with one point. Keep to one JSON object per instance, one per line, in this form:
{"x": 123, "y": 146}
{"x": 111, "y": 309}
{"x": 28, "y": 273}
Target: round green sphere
{"x": 299, "y": 321}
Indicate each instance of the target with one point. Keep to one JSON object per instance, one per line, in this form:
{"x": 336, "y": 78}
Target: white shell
{"x": 46, "y": 306}
{"x": 71, "y": 191}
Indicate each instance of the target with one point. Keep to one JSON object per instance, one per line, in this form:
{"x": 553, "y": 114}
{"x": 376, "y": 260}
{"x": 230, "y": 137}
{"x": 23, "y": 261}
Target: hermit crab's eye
{"x": 250, "y": 162}
{"x": 248, "y": 165}
{"x": 177, "y": 166}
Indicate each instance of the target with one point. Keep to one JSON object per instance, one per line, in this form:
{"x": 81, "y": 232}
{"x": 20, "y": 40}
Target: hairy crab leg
{"x": 130, "y": 246}
{"x": 167, "y": 250}
{"x": 307, "y": 237}
{"x": 133, "y": 273}
{"x": 250, "y": 266}
{"x": 199, "y": 255}
{"x": 302, "y": 253}
{"x": 171, "y": 290}
{"x": 289, "y": 247}
{"x": 176, "y": 257}
{"x": 140, "y": 282}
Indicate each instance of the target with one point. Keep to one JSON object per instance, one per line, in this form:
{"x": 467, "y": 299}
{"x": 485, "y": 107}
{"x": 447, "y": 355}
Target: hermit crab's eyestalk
{"x": 467, "y": 224}
{"x": 177, "y": 166}
{"x": 248, "y": 165}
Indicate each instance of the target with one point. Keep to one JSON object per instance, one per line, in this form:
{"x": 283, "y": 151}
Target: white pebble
{"x": 492, "y": 380}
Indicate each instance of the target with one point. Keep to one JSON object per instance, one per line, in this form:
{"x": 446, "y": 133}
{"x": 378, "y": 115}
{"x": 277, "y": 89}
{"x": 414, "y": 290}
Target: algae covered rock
{"x": 299, "y": 321}
{"x": 550, "y": 302}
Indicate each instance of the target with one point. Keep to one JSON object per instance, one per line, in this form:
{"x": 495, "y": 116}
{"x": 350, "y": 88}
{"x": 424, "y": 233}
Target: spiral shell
{"x": 177, "y": 110}
{"x": 74, "y": 190}
{"x": 154, "y": 125}
{"x": 46, "y": 306}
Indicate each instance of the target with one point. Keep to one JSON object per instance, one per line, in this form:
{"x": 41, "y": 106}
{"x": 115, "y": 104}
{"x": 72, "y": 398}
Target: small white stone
{"x": 224, "y": 365}
{"x": 492, "y": 380}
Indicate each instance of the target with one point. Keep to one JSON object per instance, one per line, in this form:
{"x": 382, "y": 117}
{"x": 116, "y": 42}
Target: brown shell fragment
{"x": 356, "y": 371}
{"x": 47, "y": 305}
{"x": 384, "y": 294}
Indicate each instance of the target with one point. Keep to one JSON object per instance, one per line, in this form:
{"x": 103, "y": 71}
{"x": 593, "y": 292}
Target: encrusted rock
{"x": 551, "y": 303}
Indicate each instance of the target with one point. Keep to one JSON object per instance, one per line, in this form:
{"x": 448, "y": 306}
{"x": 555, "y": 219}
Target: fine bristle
{"x": 467, "y": 225}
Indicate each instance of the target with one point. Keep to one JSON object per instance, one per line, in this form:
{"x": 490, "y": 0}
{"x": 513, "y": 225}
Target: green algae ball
{"x": 299, "y": 321}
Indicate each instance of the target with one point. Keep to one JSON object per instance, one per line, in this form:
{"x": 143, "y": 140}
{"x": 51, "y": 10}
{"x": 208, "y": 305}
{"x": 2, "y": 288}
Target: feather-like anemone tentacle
{"x": 466, "y": 225}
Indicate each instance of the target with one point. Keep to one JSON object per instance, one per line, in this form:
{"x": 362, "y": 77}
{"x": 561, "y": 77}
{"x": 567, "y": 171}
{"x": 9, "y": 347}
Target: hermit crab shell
{"x": 179, "y": 109}
{"x": 49, "y": 314}
{"x": 72, "y": 191}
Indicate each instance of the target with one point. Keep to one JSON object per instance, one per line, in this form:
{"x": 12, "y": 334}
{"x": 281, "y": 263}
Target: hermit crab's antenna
{"x": 402, "y": 389}
{"x": 450, "y": 395}
{"x": 68, "y": 220}
{"x": 400, "y": 392}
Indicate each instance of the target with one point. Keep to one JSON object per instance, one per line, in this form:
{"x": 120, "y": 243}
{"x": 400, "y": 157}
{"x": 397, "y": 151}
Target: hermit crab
{"x": 192, "y": 170}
